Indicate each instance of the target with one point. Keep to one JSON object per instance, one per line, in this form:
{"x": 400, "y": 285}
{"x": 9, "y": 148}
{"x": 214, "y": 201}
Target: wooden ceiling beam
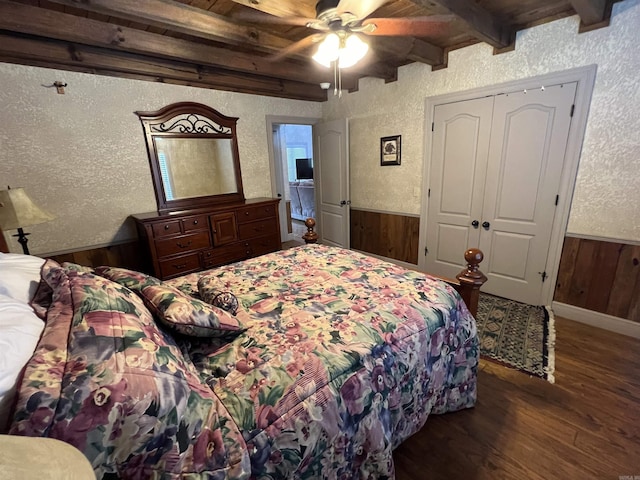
{"x": 484, "y": 25}
{"x": 57, "y": 54}
{"x": 17, "y": 17}
{"x": 182, "y": 18}
{"x": 591, "y": 12}
{"x": 201, "y": 23}
{"x": 414, "y": 49}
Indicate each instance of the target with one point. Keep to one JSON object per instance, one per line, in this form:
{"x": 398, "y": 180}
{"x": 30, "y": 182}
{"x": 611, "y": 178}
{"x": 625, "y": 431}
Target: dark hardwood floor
{"x": 585, "y": 426}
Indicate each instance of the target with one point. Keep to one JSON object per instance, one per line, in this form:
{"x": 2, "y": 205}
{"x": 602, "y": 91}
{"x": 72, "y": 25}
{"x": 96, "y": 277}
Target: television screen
{"x": 304, "y": 169}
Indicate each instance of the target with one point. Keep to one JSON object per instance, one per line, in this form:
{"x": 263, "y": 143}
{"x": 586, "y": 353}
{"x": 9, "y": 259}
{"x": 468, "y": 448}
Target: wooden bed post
{"x": 310, "y": 236}
{"x": 471, "y": 279}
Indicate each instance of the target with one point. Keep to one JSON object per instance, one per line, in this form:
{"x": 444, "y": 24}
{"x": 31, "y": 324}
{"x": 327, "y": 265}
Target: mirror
{"x": 193, "y": 153}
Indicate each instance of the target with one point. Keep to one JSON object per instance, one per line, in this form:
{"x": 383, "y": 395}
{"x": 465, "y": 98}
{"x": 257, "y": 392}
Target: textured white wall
{"x": 82, "y": 155}
{"x": 606, "y": 201}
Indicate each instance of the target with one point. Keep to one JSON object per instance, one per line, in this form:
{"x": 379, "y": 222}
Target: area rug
{"x": 517, "y": 335}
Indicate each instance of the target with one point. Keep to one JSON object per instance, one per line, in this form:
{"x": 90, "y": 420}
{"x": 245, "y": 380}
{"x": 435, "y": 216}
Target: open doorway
{"x": 292, "y": 166}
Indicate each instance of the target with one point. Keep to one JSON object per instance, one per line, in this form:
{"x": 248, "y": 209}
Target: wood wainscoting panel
{"x": 125, "y": 255}
{"x": 601, "y": 276}
{"x": 386, "y": 234}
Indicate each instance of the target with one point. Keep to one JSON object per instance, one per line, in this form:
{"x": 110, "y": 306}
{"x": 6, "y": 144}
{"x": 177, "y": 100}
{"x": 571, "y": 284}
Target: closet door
{"x": 496, "y": 164}
{"x": 460, "y": 147}
{"x": 529, "y": 135}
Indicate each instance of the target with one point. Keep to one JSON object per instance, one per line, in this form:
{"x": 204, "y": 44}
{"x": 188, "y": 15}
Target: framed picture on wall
{"x": 390, "y": 150}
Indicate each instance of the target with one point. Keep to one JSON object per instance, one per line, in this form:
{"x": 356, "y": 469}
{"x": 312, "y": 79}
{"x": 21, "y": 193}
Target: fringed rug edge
{"x": 550, "y": 345}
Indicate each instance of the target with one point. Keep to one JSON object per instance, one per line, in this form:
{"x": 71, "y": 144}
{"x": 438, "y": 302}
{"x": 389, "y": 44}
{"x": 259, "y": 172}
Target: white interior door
{"x": 526, "y": 155}
{"x": 331, "y": 140}
{"x": 460, "y": 148}
{"x": 496, "y": 164}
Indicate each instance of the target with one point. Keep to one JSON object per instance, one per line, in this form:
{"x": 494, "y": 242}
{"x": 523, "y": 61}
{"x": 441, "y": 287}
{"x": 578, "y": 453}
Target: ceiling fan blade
{"x": 263, "y": 18}
{"x": 296, "y": 47}
{"x": 409, "y": 26}
{"x": 360, "y": 8}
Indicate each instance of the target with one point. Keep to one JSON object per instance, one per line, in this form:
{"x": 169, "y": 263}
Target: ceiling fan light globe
{"x": 322, "y": 60}
{"x": 354, "y": 50}
{"x": 328, "y": 51}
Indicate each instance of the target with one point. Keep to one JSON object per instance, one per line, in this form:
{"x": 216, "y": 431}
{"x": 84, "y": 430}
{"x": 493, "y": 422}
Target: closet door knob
{"x": 475, "y": 224}
{"x": 486, "y": 225}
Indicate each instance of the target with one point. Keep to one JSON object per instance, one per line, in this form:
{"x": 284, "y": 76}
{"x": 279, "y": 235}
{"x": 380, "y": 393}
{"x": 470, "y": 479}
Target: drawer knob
{"x": 184, "y": 245}
{"x": 166, "y": 227}
{"x": 247, "y": 212}
{"x": 195, "y": 222}
{"x": 179, "y": 266}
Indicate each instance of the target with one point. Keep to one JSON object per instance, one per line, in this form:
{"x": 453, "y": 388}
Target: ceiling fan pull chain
{"x": 335, "y": 78}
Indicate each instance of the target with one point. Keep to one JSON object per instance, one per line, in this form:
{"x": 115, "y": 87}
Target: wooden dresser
{"x": 188, "y": 241}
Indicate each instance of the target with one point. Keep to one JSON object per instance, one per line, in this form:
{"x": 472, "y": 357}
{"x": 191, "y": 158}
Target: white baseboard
{"x": 597, "y": 319}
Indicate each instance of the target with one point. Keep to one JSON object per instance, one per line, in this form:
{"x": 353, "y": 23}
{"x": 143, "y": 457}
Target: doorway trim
{"x": 277, "y": 175}
{"x": 585, "y": 78}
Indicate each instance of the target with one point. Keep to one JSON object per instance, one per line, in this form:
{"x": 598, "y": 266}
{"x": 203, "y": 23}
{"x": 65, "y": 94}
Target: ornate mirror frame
{"x": 186, "y": 120}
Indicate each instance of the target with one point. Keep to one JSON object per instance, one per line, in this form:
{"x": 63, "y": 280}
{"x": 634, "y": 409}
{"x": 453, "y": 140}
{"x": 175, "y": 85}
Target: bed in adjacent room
{"x": 312, "y": 362}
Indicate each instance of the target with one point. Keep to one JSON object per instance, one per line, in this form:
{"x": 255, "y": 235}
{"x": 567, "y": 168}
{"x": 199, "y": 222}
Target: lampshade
{"x": 17, "y": 210}
{"x": 346, "y": 49}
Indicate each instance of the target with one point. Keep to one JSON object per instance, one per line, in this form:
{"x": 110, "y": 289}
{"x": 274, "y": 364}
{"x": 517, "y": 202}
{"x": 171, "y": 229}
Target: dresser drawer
{"x": 224, "y": 255}
{"x": 180, "y": 265}
{"x": 249, "y": 214}
{"x": 182, "y": 244}
{"x": 262, "y": 245}
{"x": 257, "y": 229}
{"x": 191, "y": 224}
{"x": 164, "y": 229}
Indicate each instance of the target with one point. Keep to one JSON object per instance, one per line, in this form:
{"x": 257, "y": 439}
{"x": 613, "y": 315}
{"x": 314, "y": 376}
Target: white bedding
{"x": 20, "y": 328}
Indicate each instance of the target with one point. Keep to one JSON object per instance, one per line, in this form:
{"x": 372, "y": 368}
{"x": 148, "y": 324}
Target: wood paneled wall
{"x": 600, "y": 276}
{"x": 594, "y": 274}
{"x": 126, "y": 255}
{"x": 386, "y": 234}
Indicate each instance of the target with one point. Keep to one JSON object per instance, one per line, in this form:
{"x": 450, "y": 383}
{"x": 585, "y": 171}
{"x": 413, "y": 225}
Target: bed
{"x": 311, "y": 362}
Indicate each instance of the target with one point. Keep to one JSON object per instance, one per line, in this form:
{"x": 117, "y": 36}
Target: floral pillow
{"x": 131, "y": 279}
{"x": 210, "y": 292}
{"x": 188, "y": 315}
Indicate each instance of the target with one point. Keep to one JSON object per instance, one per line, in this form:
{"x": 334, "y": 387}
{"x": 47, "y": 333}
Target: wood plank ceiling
{"x": 238, "y": 45}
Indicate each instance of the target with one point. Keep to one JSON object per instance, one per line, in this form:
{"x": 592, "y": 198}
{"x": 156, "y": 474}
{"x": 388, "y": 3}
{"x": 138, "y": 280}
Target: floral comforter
{"x": 344, "y": 357}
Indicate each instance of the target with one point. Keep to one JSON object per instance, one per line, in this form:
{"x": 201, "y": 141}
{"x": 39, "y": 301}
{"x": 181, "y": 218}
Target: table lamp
{"x": 17, "y": 210}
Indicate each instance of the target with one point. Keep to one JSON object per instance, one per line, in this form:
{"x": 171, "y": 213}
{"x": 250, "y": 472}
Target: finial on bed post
{"x": 471, "y": 279}
{"x": 310, "y": 236}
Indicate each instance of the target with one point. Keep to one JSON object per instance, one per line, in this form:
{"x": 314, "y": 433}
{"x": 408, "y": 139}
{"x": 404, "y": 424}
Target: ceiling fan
{"x": 343, "y": 23}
